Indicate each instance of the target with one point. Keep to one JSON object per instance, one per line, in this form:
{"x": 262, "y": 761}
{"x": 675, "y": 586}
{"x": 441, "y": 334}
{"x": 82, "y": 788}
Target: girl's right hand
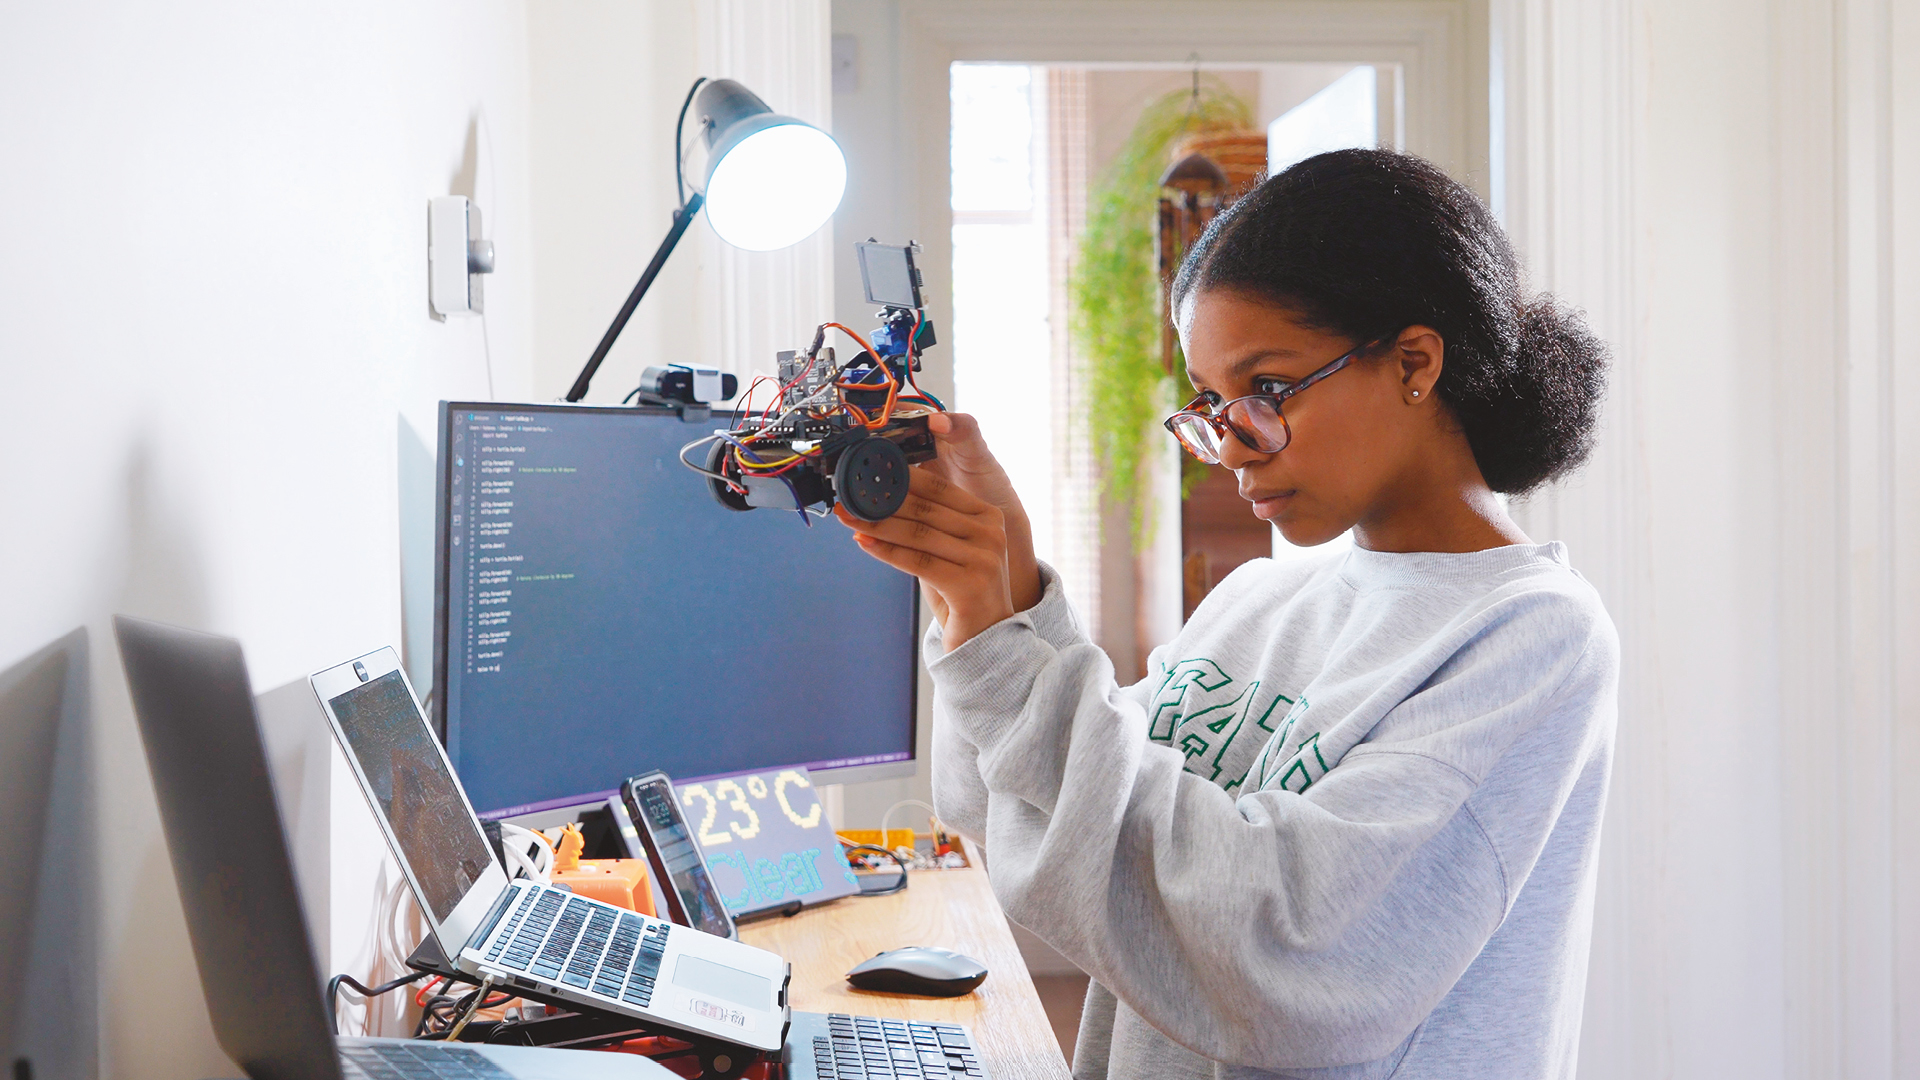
{"x": 966, "y": 463}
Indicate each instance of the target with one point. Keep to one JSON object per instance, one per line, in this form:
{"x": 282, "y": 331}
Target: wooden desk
{"x": 950, "y": 909}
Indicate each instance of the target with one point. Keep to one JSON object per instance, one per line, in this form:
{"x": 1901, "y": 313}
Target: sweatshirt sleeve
{"x": 959, "y": 796}
{"x": 1274, "y": 929}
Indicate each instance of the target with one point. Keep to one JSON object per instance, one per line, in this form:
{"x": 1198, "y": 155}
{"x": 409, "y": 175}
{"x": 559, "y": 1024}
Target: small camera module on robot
{"x": 835, "y": 433}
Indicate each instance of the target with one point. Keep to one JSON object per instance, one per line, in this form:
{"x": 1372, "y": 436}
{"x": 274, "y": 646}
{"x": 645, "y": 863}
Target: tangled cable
{"x": 749, "y": 460}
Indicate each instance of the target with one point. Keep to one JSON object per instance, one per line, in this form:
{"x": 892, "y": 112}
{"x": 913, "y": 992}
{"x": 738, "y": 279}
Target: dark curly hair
{"x": 1366, "y": 242}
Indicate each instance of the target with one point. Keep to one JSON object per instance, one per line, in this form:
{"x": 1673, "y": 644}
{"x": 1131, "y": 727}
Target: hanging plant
{"x": 1115, "y": 290}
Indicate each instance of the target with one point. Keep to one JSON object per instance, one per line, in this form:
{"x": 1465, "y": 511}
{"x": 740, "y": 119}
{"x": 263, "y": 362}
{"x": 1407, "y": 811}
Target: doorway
{"x": 893, "y": 111}
{"x": 1032, "y": 146}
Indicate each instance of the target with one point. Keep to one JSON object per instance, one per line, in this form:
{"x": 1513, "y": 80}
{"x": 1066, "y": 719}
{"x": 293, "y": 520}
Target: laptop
{"x": 519, "y": 934}
{"x": 194, "y": 703}
{"x": 48, "y": 987}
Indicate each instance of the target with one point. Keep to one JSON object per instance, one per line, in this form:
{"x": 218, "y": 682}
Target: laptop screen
{"x": 443, "y": 845}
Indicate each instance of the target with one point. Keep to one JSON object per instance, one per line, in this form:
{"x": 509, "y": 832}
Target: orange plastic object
{"x": 621, "y": 882}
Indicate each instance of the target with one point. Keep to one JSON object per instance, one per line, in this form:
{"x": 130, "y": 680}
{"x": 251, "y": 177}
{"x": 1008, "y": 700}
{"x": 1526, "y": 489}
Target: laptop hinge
{"x": 485, "y": 929}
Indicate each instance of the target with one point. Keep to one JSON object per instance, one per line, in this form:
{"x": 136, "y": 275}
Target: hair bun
{"x": 1538, "y": 422}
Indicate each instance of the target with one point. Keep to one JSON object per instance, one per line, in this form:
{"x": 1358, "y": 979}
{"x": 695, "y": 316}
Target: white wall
{"x": 213, "y": 323}
{"x": 607, "y": 80}
{"x": 215, "y": 339}
{"x": 1730, "y": 191}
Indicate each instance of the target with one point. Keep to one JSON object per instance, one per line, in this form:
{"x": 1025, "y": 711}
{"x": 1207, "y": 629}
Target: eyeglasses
{"x": 1257, "y": 420}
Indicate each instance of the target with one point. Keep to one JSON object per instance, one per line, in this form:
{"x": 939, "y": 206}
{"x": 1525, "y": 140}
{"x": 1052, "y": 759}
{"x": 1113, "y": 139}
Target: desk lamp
{"x": 771, "y": 181}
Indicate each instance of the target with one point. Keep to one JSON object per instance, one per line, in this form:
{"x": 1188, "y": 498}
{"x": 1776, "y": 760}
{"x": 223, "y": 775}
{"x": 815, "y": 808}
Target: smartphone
{"x": 692, "y": 899}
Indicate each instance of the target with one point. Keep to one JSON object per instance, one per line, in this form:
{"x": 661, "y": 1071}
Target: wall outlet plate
{"x": 456, "y": 256}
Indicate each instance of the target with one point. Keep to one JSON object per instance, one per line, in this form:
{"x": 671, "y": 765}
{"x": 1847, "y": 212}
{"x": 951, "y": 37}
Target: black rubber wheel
{"x": 716, "y": 462}
{"x": 871, "y": 479}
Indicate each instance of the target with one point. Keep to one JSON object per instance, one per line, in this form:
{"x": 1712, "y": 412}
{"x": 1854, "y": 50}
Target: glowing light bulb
{"x": 776, "y": 186}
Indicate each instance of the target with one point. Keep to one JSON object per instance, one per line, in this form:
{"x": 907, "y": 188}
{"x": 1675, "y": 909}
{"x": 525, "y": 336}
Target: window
{"x": 1002, "y": 337}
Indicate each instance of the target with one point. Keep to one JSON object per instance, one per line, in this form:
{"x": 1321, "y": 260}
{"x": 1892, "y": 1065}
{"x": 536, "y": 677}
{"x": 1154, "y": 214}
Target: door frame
{"x": 1441, "y": 48}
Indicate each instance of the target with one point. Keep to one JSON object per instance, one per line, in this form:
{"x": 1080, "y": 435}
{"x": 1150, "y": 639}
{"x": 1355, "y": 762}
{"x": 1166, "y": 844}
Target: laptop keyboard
{"x": 417, "y": 1061}
{"x": 562, "y": 938}
{"x": 869, "y": 1048}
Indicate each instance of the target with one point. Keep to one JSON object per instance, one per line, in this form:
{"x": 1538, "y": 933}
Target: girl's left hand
{"x": 955, "y": 543}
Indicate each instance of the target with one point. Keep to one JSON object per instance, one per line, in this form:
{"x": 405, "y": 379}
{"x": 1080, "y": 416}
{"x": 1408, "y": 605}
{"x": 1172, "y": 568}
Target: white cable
{"x": 933, "y": 817}
{"x": 486, "y": 135}
{"x": 910, "y": 853}
{"x": 466, "y": 1015}
{"x": 392, "y": 926}
{"x": 513, "y": 841}
{"x": 395, "y": 915}
{"x": 518, "y": 863}
{"x": 540, "y": 864}
{"x": 702, "y": 441}
{"x": 486, "y": 343}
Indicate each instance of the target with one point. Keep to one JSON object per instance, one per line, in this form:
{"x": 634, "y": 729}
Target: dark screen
{"x": 606, "y": 616}
{"x": 887, "y": 275}
{"x": 437, "y": 836}
{"x": 686, "y": 871}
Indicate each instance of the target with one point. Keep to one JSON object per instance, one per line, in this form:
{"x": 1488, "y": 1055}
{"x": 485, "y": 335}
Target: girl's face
{"x": 1358, "y": 436}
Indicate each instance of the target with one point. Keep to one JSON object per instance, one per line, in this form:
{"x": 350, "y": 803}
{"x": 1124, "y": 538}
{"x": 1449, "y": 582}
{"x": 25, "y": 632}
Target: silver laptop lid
{"x": 194, "y": 703}
{"x": 408, "y": 782}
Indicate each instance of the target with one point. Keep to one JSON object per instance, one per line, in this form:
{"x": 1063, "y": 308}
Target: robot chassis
{"x": 843, "y": 434}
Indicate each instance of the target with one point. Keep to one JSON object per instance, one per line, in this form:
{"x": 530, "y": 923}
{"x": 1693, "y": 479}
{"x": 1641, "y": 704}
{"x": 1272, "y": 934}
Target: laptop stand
{"x": 580, "y": 1027}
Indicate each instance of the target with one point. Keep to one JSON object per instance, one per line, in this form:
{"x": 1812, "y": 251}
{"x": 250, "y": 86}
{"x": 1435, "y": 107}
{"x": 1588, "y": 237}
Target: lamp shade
{"x": 771, "y": 180}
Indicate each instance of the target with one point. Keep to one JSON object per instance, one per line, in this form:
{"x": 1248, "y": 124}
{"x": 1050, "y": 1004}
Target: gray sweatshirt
{"x": 1346, "y": 827}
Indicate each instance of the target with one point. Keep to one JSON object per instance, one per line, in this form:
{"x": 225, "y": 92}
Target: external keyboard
{"x": 619, "y": 953}
{"x": 418, "y": 1061}
{"x": 869, "y": 1048}
{"x": 830, "y": 1046}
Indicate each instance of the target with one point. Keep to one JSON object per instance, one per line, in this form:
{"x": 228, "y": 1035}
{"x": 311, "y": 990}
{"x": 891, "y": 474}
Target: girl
{"x": 1347, "y": 825}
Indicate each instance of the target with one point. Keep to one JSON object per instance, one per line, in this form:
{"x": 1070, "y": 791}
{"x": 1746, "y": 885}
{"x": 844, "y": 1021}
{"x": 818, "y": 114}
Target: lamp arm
{"x": 682, "y": 218}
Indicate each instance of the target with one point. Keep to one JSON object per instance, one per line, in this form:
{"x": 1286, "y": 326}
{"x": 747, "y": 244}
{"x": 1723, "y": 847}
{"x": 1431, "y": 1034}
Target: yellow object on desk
{"x": 895, "y": 837}
{"x": 949, "y": 909}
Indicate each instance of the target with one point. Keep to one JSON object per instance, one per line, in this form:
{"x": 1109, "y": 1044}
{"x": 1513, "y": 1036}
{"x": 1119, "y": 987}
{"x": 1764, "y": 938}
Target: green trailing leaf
{"x": 1115, "y": 291}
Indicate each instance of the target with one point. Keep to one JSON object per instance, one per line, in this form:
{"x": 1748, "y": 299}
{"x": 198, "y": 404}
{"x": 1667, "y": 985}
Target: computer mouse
{"x": 919, "y": 970}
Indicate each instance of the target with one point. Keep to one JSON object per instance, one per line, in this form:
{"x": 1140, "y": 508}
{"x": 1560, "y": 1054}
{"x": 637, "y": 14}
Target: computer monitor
{"x": 600, "y": 614}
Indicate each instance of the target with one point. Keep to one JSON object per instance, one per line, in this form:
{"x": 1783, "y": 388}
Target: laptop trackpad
{"x": 718, "y": 980}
